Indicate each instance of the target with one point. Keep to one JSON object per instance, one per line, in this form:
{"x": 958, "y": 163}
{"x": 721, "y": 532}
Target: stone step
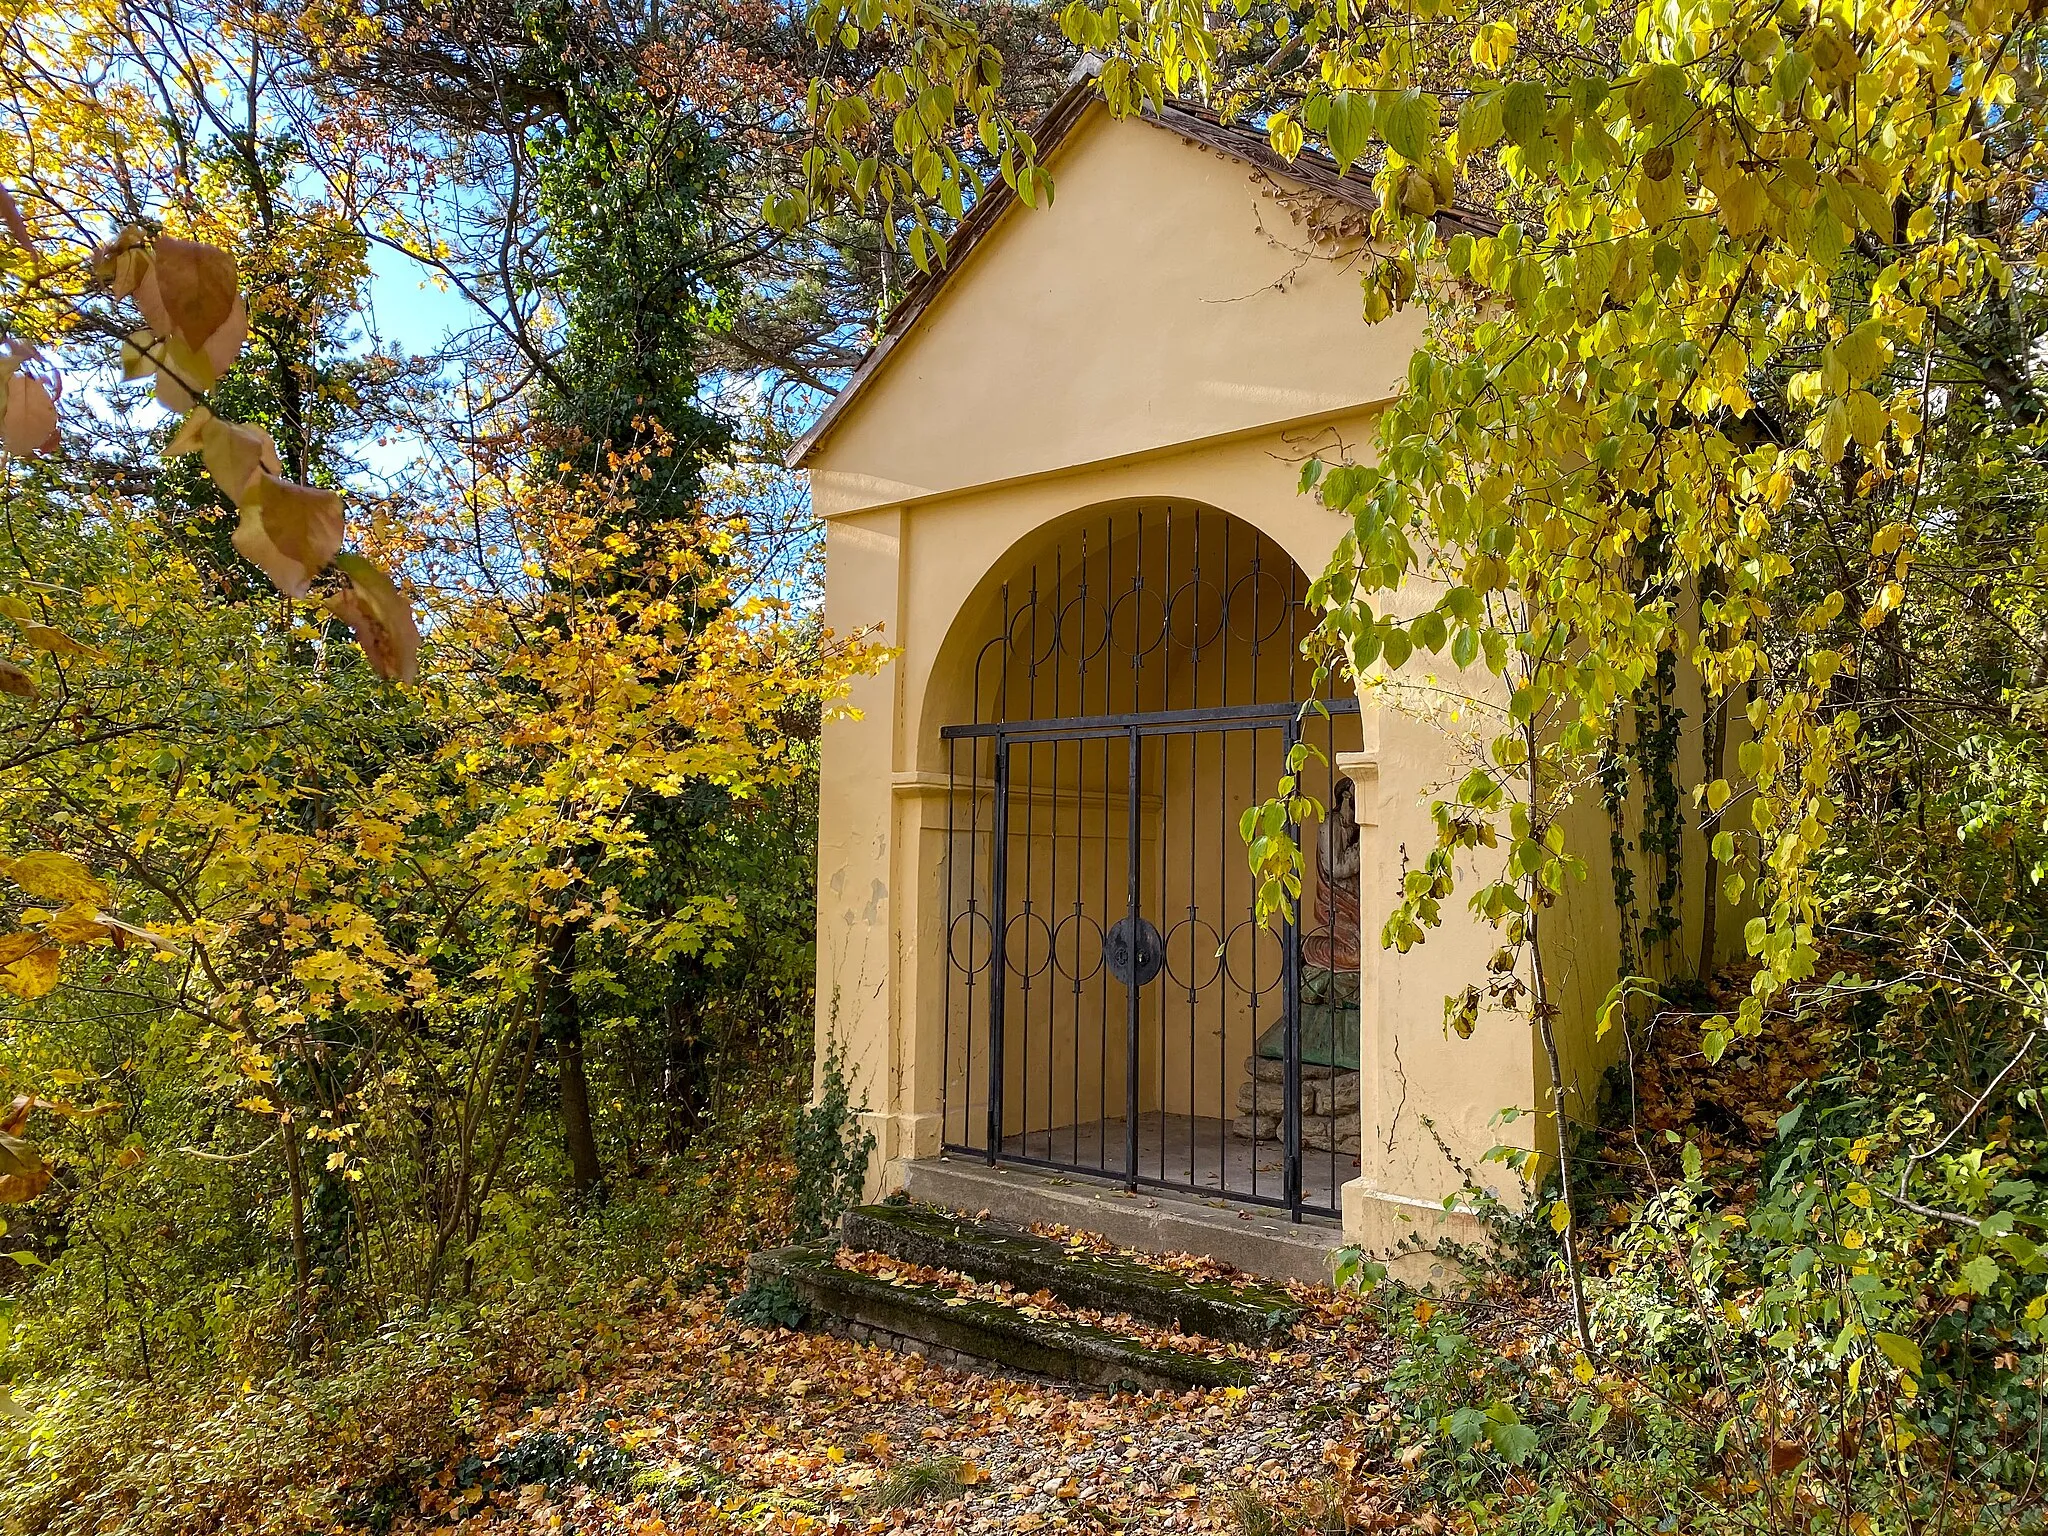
{"x": 935, "y": 1321}
{"x": 1249, "y": 1313}
{"x": 1256, "y": 1239}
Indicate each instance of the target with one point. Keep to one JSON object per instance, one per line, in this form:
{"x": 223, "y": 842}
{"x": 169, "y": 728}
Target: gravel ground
{"x": 721, "y": 1427}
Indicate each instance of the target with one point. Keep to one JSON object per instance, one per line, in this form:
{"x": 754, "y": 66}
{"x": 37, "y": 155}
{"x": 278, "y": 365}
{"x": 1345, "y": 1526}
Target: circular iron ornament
{"x": 1074, "y": 638}
{"x": 1137, "y": 621}
{"x": 1192, "y": 960}
{"x": 1253, "y": 958}
{"x": 975, "y": 942}
{"x": 1047, "y": 638}
{"x": 1133, "y": 952}
{"x": 1196, "y": 616}
{"x": 1078, "y": 939}
{"x": 1030, "y": 953}
{"x": 1259, "y": 605}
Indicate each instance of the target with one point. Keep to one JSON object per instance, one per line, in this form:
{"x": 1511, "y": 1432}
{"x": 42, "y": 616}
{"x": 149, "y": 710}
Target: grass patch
{"x": 917, "y": 1482}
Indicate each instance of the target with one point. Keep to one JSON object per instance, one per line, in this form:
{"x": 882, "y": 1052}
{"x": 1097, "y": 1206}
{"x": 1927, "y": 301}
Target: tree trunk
{"x": 1714, "y": 750}
{"x": 1545, "y": 1014}
{"x": 585, "y": 1172}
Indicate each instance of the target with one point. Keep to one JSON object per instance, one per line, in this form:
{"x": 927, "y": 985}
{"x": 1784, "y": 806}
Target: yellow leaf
{"x": 1493, "y": 45}
{"x": 18, "y": 681}
{"x": 1582, "y": 1368}
{"x": 23, "y": 1173}
{"x": 28, "y": 965}
{"x": 970, "y": 1474}
{"x": 1867, "y": 419}
{"x": 54, "y": 877}
{"x": 1742, "y": 205}
{"x": 1659, "y": 200}
{"x": 1889, "y": 598}
{"x": 258, "y": 1105}
{"x": 1886, "y": 541}
{"x": 57, "y": 643}
{"x": 78, "y": 923}
{"x": 1560, "y": 1216}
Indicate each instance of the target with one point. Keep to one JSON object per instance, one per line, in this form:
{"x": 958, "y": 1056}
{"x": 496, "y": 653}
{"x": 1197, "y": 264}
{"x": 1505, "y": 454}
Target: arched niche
{"x": 1144, "y": 660}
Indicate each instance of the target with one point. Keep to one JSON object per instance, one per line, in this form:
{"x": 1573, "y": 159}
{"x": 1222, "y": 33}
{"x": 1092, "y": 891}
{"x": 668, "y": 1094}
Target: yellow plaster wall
{"x": 1162, "y": 300}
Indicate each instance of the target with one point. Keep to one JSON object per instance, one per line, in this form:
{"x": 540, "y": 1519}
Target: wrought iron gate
{"x": 1113, "y": 1005}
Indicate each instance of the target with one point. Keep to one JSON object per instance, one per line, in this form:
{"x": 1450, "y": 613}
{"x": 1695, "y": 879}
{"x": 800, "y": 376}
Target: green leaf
{"x": 1521, "y": 112}
{"x": 1900, "y": 1350}
{"x": 1408, "y": 124}
{"x": 1480, "y": 123}
{"x": 1980, "y": 1274}
{"x": 1515, "y": 1442}
{"x": 1348, "y": 129}
{"x": 1467, "y": 1426}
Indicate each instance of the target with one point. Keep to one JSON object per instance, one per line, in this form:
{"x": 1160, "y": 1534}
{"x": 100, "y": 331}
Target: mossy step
{"x": 1255, "y": 1314}
{"x": 937, "y": 1320}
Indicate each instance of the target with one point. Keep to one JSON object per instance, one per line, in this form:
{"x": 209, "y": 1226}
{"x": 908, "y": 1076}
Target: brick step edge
{"x": 1257, "y": 1314}
{"x": 919, "y": 1319}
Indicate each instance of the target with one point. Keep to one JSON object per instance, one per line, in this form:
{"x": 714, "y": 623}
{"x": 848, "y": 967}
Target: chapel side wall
{"x": 856, "y": 917}
{"x": 1589, "y": 940}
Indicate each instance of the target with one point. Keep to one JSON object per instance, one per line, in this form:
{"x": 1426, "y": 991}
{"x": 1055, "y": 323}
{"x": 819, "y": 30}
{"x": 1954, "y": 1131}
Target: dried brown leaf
{"x": 17, "y": 226}
{"x": 234, "y": 454}
{"x": 30, "y": 414}
{"x": 289, "y": 531}
{"x": 196, "y": 284}
{"x": 381, "y": 618}
{"x": 19, "y": 681}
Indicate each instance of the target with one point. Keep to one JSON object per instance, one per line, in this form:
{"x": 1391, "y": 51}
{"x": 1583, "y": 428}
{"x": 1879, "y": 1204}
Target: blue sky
{"x": 406, "y": 308}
